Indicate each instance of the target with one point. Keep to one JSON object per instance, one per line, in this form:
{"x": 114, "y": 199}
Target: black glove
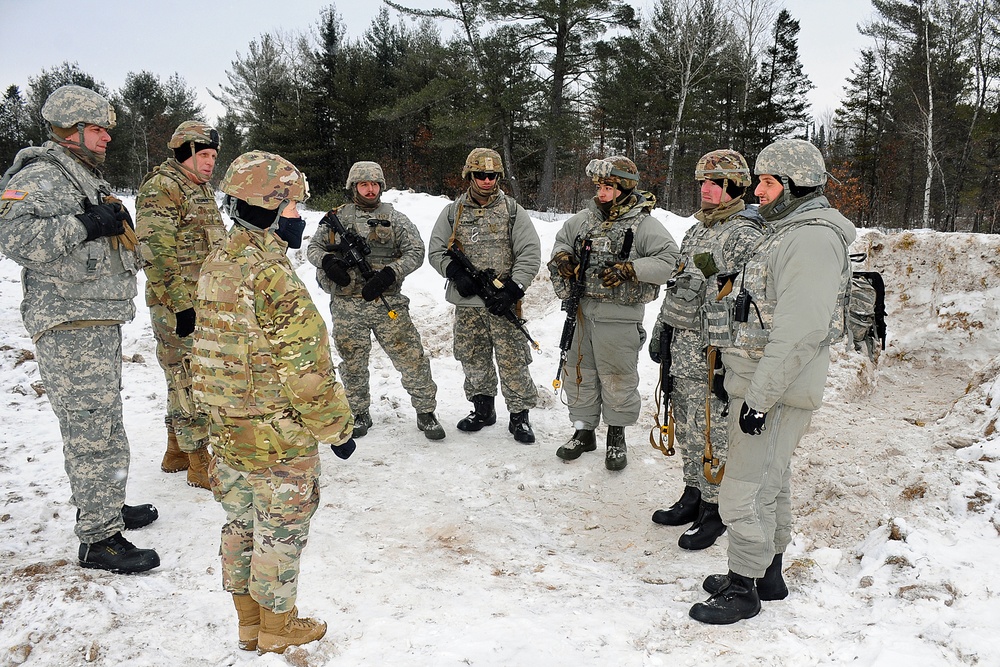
{"x": 290, "y": 231}
{"x": 336, "y": 269}
{"x": 751, "y": 421}
{"x": 185, "y": 322}
{"x": 378, "y": 283}
{"x": 103, "y": 220}
{"x": 462, "y": 281}
{"x": 344, "y": 450}
{"x": 505, "y": 298}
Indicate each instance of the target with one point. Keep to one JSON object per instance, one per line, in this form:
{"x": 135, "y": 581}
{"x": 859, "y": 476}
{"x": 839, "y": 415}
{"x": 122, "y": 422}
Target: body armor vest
{"x": 612, "y": 243}
{"x": 378, "y": 229}
{"x": 485, "y": 234}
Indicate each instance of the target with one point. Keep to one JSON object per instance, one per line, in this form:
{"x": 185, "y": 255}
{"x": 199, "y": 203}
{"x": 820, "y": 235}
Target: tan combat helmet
{"x": 195, "y": 132}
{"x": 724, "y": 164}
{"x": 616, "y": 170}
{"x": 482, "y": 159}
{"x": 265, "y": 180}
{"x": 365, "y": 171}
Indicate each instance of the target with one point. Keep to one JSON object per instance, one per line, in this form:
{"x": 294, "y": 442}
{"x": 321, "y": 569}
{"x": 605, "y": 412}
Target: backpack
{"x": 866, "y": 309}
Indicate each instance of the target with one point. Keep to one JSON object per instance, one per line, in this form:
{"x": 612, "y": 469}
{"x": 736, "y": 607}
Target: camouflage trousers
{"x": 82, "y": 372}
{"x": 174, "y": 355}
{"x": 601, "y": 376}
{"x": 354, "y": 322}
{"x": 478, "y": 335}
{"x": 268, "y": 512}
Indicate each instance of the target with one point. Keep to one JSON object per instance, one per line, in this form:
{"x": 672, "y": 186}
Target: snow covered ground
{"x": 477, "y": 550}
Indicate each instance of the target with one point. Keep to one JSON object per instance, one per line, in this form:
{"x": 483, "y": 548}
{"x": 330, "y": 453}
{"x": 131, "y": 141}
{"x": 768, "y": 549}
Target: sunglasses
{"x": 485, "y": 175}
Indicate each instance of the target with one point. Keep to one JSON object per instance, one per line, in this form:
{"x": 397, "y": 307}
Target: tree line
{"x": 552, "y": 84}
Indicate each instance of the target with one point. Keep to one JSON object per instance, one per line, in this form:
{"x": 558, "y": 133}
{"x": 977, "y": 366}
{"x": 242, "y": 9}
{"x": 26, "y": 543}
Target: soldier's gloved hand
{"x": 336, "y": 269}
{"x": 344, "y": 450}
{"x": 599, "y": 168}
{"x": 103, "y": 220}
{"x": 378, "y": 283}
{"x": 654, "y": 342}
{"x": 564, "y": 264}
{"x": 119, "y": 207}
{"x": 615, "y": 274}
{"x": 185, "y": 323}
{"x": 505, "y": 298}
{"x": 460, "y": 279}
{"x": 751, "y": 421}
{"x": 719, "y": 383}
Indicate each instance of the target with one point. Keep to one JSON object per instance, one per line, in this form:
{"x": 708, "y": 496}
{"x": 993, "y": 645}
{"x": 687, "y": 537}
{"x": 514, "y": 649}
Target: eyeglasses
{"x": 485, "y": 175}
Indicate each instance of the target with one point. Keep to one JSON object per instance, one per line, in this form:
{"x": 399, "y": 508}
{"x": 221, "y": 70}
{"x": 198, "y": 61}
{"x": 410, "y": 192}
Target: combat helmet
{"x": 365, "y": 171}
{"x": 71, "y": 106}
{"x": 794, "y": 159}
{"x": 615, "y": 170}
{"x": 724, "y": 164}
{"x": 197, "y": 132}
{"x": 265, "y": 180}
{"x": 482, "y": 159}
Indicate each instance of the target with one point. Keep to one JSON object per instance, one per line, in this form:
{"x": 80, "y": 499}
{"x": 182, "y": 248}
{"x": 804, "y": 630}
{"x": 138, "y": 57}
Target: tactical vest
{"x": 609, "y": 240}
{"x": 379, "y": 230}
{"x": 485, "y": 234}
{"x": 747, "y": 339}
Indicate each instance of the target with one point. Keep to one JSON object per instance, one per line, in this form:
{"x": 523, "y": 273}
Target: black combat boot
{"x": 429, "y": 424}
{"x": 615, "y": 458}
{"x": 362, "y": 422}
{"x": 706, "y": 529}
{"x": 683, "y": 511}
{"x": 769, "y": 587}
{"x": 116, "y": 554}
{"x": 521, "y": 427}
{"x": 482, "y": 414}
{"x": 737, "y": 601}
{"x": 583, "y": 440}
{"x": 135, "y": 516}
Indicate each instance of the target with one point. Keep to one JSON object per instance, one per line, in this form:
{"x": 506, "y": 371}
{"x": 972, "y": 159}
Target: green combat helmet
{"x": 482, "y": 159}
{"x": 615, "y": 170}
{"x": 197, "y": 132}
{"x": 72, "y": 106}
{"x": 723, "y": 164}
{"x": 265, "y": 179}
{"x": 794, "y": 159}
{"x": 365, "y": 171}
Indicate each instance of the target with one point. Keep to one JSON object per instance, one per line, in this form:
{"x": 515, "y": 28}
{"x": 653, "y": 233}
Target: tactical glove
{"x": 378, "y": 284}
{"x": 614, "y": 275}
{"x": 185, "y": 323}
{"x": 344, "y": 450}
{"x": 103, "y": 220}
{"x": 654, "y": 342}
{"x": 564, "y": 264}
{"x": 462, "y": 281}
{"x": 505, "y": 298}
{"x": 336, "y": 269}
{"x": 751, "y": 421}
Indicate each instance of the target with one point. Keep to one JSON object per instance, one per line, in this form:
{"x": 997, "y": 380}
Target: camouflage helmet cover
{"x": 615, "y": 170}
{"x": 196, "y": 131}
{"x": 365, "y": 171}
{"x": 797, "y": 159}
{"x": 723, "y": 164}
{"x": 264, "y": 179}
{"x": 68, "y": 106}
{"x": 482, "y": 159}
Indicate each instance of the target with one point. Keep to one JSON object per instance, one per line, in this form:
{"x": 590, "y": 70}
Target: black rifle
{"x": 571, "y": 305}
{"x": 487, "y": 287}
{"x": 666, "y": 389}
{"x": 355, "y": 251}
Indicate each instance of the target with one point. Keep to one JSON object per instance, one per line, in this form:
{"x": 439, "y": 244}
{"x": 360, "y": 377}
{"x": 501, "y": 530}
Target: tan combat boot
{"x": 279, "y": 631}
{"x": 198, "y": 469}
{"x": 174, "y": 460}
{"x": 248, "y": 613}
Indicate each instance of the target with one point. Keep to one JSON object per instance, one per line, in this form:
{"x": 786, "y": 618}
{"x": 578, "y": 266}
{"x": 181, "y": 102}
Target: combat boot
{"x": 248, "y": 613}
{"x": 521, "y": 427}
{"x": 737, "y": 601}
{"x": 683, "y": 511}
{"x": 116, "y": 554}
{"x": 174, "y": 460}
{"x": 615, "y": 458}
{"x": 138, "y": 516}
{"x": 362, "y": 422}
{"x": 429, "y": 424}
{"x": 197, "y": 475}
{"x": 769, "y": 587}
{"x": 706, "y": 529}
{"x": 583, "y": 440}
{"x": 279, "y": 631}
{"x": 483, "y": 414}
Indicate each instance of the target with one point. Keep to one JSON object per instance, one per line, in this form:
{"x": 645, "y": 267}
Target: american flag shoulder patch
{"x": 15, "y": 195}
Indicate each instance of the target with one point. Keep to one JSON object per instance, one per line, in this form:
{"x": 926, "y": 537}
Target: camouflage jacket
{"x": 261, "y": 349}
{"x": 394, "y": 242}
{"x": 65, "y": 278}
{"x": 178, "y": 223}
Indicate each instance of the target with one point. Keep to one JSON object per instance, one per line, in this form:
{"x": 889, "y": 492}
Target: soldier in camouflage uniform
{"x": 178, "y": 223}
{"x": 718, "y": 244}
{"x": 494, "y": 232}
{"x": 356, "y": 300}
{"x": 632, "y": 254}
{"x": 776, "y": 357}
{"x": 261, "y": 368}
{"x": 75, "y": 243}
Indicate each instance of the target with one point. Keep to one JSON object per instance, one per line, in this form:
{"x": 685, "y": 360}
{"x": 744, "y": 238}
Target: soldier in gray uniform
{"x": 718, "y": 244}
{"x": 496, "y": 234}
{"x": 356, "y": 300}
{"x": 632, "y": 255}
{"x": 775, "y": 336}
{"x": 75, "y": 243}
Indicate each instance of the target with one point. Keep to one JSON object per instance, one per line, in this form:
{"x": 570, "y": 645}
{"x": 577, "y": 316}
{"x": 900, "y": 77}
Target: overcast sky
{"x": 199, "y": 39}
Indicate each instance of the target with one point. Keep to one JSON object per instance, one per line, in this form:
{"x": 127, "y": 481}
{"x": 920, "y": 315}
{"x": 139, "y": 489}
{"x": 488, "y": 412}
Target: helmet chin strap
{"x": 78, "y": 147}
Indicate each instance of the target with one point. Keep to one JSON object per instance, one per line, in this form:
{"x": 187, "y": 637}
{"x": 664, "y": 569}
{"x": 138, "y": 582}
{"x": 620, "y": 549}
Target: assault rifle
{"x": 571, "y": 305}
{"x": 666, "y": 388}
{"x": 487, "y": 287}
{"x": 355, "y": 251}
